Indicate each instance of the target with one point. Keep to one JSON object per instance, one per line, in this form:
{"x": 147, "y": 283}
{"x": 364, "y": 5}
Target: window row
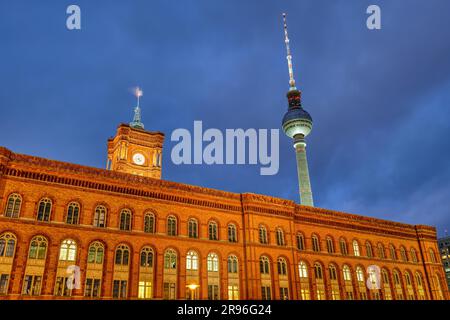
{"x": 72, "y": 216}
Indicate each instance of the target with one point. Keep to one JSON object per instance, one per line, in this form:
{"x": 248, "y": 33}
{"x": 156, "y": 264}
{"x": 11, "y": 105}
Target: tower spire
{"x": 288, "y": 56}
{"x": 297, "y": 124}
{"x": 136, "y": 123}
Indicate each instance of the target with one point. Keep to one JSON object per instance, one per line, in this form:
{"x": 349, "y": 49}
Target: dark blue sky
{"x": 380, "y": 100}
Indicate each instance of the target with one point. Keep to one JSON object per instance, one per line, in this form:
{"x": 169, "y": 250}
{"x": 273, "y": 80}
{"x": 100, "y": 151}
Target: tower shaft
{"x": 306, "y": 197}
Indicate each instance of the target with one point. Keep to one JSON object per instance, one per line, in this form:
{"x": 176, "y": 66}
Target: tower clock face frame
{"x": 138, "y": 158}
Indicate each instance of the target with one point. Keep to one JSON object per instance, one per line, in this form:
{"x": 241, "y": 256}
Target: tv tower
{"x": 297, "y": 124}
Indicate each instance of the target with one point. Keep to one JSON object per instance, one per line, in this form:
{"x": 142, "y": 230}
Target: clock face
{"x": 138, "y": 158}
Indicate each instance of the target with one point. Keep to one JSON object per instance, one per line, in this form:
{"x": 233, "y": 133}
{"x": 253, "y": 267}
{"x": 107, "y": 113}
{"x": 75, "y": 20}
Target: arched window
{"x": 343, "y": 245}
{"x": 38, "y": 248}
{"x": 263, "y": 235}
{"x": 403, "y": 254}
{"x": 385, "y": 276}
{"x": 332, "y": 271}
{"x": 232, "y": 235}
{"x": 212, "y": 231}
{"x": 330, "y": 245}
{"x": 392, "y": 252}
{"x": 318, "y": 273}
{"x": 280, "y": 237}
{"x": 300, "y": 241}
{"x": 282, "y": 266}
{"x": 171, "y": 226}
{"x": 100, "y": 217}
{"x": 149, "y": 223}
{"x": 96, "y": 252}
{"x": 359, "y": 274}
{"x": 122, "y": 255}
{"x": 147, "y": 257}
{"x": 232, "y": 264}
{"x": 125, "y": 220}
{"x": 73, "y": 212}
{"x": 192, "y": 228}
{"x": 413, "y": 255}
{"x": 170, "y": 259}
{"x": 192, "y": 260}
{"x": 356, "y": 252}
{"x": 396, "y": 277}
{"x": 13, "y": 206}
{"x": 68, "y": 250}
{"x": 380, "y": 249}
{"x": 264, "y": 265}
{"x": 303, "y": 270}
{"x": 315, "y": 243}
{"x": 432, "y": 256}
{"x": 7, "y": 245}
{"x": 369, "y": 249}
{"x": 212, "y": 262}
{"x": 419, "y": 279}
{"x": 44, "y": 209}
{"x": 407, "y": 279}
{"x": 347, "y": 273}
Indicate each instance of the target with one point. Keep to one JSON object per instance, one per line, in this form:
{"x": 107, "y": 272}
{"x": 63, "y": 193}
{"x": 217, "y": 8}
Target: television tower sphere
{"x": 297, "y": 121}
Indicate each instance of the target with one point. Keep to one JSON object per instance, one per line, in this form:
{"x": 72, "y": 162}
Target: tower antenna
{"x": 136, "y": 123}
{"x": 288, "y": 56}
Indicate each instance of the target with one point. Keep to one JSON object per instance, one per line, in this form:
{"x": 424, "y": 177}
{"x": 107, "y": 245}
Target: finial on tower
{"x": 136, "y": 123}
{"x": 289, "y": 56}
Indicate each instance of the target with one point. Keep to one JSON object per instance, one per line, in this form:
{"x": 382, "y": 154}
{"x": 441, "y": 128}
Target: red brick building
{"x": 133, "y": 235}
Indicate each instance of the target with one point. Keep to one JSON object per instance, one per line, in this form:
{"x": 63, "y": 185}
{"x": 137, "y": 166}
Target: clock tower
{"x": 135, "y": 150}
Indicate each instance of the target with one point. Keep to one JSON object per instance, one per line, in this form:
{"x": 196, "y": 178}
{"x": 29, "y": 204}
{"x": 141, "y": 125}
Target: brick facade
{"x": 34, "y": 178}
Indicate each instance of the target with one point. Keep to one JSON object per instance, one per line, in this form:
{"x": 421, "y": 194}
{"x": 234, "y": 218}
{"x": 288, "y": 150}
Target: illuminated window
{"x": 73, "y": 212}
{"x": 212, "y": 262}
{"x": 100, "y": 217}
{"x": 359, "y": 274}
{"x": 233, "y": 293}
{"x": 346, "y": 273}
{"x": 13, "y": 206}
{"x": 356, "y": 248}
{"x": 303, "y": 270}
{"x": 68, "y": 250}
{"x": 432, "y": 256}
{"x": 125, "y": 220}
{"x": 96, "y": 253}
{"x": 192, "y": 260}
{"x": 44, "y": 210}
{"x": 145, "y": 290}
